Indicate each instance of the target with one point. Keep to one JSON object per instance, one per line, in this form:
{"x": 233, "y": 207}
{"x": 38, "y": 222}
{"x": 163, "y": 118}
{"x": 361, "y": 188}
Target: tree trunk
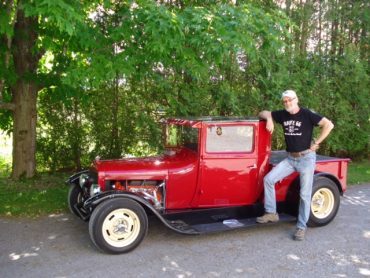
{"x": 305, "y": 28}
{"x": 24, "y": 96}
{"x": 115, "y": 150}
{"x": 76, "y": 146}
{"x": 24, "y": 130}
{"x": 334, "y": 30}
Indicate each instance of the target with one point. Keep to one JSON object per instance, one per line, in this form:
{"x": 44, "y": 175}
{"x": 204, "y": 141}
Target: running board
{"x": 232, "y": 224}
{"x": 217, "y": 220}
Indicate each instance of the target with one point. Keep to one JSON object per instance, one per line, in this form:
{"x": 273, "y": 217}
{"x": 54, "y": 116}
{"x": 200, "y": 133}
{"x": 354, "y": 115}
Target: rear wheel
{"x": 324, "y": 202}
{"x": 118, "y": 225}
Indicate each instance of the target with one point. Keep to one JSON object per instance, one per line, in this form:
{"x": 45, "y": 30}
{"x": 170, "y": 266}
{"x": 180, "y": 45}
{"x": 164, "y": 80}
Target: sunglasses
{"x": 288, "y": 100}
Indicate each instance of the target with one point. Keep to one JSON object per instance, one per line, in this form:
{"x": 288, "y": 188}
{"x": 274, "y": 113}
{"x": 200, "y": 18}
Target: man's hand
{"x": 270, "y": 123}
{"x": 314, "y": 147}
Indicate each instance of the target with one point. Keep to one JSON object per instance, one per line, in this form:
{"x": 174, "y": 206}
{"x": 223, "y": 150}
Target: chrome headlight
{"x": 94, "y": 189}
{"x": 83, "y": 180}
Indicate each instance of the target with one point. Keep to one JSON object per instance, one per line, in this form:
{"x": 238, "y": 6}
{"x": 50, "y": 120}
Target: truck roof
{"x": 196, "y": 121}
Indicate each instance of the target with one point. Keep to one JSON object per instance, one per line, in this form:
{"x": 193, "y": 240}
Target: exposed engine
{"x": 150, "y": 190}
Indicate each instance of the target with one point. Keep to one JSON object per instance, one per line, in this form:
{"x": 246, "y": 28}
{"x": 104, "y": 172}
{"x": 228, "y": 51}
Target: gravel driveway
{"x": 59, "y": 246}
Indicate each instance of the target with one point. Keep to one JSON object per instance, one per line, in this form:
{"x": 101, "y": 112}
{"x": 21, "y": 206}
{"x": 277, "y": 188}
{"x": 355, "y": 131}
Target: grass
{"x": 41, "y": 195}
{"x": 47, "y": 193}
{"x": 359, "y": 172}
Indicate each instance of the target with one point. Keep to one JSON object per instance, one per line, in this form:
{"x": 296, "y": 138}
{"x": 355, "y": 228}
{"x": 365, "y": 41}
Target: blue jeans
{"x": 305, "y": 166}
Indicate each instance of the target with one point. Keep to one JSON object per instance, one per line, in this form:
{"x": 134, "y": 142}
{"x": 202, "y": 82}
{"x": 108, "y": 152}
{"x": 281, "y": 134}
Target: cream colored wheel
{"x": 121, "y": 227}
{"x": 322, "y": 203}
{"x": 118, "y": 225}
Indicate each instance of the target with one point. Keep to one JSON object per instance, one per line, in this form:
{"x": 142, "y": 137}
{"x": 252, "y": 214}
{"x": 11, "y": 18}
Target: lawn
{"x": 38, "y": 196}
{"x": 359, "y": 172}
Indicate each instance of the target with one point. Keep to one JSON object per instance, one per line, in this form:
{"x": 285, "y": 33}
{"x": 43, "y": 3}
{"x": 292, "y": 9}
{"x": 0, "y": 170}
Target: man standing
{"x": 298, "y": 124}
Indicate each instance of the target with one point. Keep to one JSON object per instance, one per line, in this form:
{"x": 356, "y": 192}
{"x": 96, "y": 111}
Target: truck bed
{"x": 334, "y": 166}
{"x": 278, "y": 156}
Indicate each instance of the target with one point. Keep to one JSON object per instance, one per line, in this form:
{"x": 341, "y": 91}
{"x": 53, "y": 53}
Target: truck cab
{"x": 232, "y": 156}
{"x": 209, "y": 178}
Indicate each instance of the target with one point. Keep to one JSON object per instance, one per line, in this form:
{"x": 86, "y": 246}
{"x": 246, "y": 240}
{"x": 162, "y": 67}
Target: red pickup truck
{"x": 209, "y": 178}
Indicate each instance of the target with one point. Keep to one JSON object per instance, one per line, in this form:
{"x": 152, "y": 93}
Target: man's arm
{"x": 266, "y": 115}
{"x": 326, "y": 127}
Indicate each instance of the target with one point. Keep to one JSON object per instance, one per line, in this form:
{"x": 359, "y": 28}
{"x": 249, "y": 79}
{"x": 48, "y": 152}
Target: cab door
{"x": 228, "y": 166}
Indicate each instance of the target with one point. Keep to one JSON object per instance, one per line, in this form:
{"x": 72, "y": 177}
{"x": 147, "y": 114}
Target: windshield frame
{"x": 183, "y": 136}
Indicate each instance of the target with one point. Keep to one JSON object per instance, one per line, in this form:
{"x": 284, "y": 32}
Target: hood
{"x": 153, "y": 167}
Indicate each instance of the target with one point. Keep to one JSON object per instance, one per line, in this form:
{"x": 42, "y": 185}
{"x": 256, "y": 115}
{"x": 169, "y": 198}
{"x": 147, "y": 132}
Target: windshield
{"x": 181, "y": 136}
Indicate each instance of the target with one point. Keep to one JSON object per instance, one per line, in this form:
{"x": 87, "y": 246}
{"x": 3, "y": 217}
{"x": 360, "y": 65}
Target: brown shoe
{"x": 299, "y": 234}
{"x": 268, "y": 217}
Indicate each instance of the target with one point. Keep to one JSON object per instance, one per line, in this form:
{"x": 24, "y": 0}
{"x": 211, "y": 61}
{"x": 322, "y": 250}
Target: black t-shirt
{"x": 297, "y": 128}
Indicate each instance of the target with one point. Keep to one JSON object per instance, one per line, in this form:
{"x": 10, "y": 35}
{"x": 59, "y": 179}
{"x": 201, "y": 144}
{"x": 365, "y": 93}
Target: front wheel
{"x": 75, "y": 196}
{"x": 118, "y": 225}
{"x": 324, "y": 202}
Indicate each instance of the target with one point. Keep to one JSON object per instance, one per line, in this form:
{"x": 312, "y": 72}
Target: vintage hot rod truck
{"x": 209, "y": 178}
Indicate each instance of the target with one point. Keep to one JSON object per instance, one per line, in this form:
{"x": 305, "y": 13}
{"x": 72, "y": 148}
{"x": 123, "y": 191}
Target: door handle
{"x": 254, "y": 166}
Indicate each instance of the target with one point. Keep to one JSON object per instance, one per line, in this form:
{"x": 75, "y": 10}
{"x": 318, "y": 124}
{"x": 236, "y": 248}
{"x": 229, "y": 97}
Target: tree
{"x": 28, "y": 30}
{"x": 177, "y": 59}
{"x": 131, "y": 39}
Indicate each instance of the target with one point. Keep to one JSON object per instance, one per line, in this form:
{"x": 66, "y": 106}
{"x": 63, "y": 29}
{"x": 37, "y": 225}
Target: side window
{"x": 229, "y": 139}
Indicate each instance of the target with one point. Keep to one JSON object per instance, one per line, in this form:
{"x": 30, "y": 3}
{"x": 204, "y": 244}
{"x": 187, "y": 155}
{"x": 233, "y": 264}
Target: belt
{"x": 299, "y": 154}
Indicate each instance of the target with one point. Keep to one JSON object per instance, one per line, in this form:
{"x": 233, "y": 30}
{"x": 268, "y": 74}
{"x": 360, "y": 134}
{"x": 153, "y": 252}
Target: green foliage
{"x": 148, "y": 60}
{"x": 61, "y": 146}
{"x": 5, "y": 168}
{"x": 58, "y": 16}
{"x": 351, "y": 93}
{"x": 110, "y": 70}
{"x": 5, "y": 155}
